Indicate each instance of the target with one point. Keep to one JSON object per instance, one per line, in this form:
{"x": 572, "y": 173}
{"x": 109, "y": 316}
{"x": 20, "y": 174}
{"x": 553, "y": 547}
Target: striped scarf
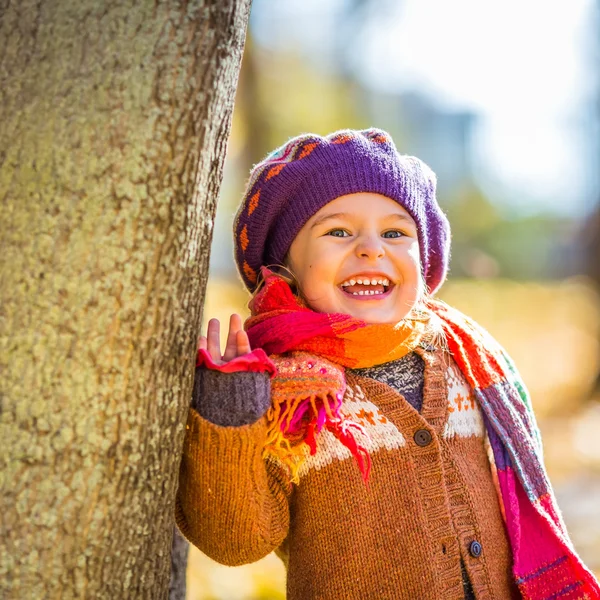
{"x": 310, "y": 350}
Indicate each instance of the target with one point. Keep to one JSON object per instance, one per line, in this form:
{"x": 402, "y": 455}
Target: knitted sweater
{"x": 406, "y": 376}
{"x": 429, "y": 505}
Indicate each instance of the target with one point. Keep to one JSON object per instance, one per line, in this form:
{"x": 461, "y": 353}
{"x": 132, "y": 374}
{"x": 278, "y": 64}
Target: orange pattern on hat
{"x": 380, "y": 139}
{"x": 307, "y": 150}
{"x": 274, "y": 171}
{"x": 253, "y": 203}
{"x": 341, "y": 139}
{"x": 244, "y": 238}
{"x": 249, "y": 272}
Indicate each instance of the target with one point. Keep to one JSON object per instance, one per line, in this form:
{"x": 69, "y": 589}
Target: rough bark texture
{"x": 114, "y": 118}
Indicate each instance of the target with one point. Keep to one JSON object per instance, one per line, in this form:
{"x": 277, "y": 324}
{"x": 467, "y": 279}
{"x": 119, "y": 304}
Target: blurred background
{"x": 502, "y": 100}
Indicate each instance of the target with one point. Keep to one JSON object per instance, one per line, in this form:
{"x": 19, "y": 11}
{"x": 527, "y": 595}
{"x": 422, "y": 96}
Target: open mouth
{"x": 367, "y": 288}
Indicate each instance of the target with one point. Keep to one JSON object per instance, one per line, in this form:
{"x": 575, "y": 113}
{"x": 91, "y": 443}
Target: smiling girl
{"x": 380, "y": 441}
{"x": 359, "y": 255}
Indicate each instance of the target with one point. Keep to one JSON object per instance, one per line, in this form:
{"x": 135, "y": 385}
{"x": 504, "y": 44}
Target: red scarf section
{"x": 280, "y": 323}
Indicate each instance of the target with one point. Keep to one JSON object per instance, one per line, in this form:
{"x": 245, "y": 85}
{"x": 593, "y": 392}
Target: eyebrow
{"x": 341, "y": 215}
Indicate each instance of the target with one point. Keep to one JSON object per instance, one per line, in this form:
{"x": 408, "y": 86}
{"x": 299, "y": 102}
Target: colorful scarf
{"x": 310, "y": 350}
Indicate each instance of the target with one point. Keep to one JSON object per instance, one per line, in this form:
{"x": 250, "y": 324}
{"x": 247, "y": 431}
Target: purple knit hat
{"x": 295, "y": 181}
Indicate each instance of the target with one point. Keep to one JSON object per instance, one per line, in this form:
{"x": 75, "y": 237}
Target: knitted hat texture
{"x": 295, "y": 181}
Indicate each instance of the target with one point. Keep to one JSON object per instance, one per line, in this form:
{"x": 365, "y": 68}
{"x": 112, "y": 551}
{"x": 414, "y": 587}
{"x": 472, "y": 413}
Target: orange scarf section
{"x": 281, "y": 323}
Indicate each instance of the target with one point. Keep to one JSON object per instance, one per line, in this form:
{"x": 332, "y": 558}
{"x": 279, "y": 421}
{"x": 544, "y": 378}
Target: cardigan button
{"x": 422, "y": 437}
{"x": 475, "y": 549}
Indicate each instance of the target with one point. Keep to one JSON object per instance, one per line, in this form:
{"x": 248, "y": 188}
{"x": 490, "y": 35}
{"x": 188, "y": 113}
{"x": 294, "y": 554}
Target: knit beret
{"x": 295, "y": 181}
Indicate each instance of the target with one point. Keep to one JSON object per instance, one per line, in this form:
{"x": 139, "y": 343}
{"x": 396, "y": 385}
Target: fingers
{"x": 238, "y": 343}
{"x": 243, "y": 343}
{"x": 202, "y": 343}
{"x": 235, "y": 325}
{"x": 213, "y": 339}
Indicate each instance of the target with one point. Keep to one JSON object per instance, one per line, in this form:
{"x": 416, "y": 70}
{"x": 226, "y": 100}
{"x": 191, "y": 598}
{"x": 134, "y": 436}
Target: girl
{"x": 380, "y": 441}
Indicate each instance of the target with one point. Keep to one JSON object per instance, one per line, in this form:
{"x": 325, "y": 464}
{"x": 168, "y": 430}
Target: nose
{"x": 370, "y": 247}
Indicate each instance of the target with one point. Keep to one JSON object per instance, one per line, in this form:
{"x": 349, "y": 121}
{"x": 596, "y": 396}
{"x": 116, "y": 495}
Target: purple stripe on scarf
{"x": 508, "y": 418}
{"x": 542, "y": 570}
{"x": 501, "y": 456}
{"x": 565, "y": 590}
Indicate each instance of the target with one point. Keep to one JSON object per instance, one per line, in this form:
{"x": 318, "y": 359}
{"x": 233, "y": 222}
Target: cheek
{"x": 414, "y": 254}
{"x": 410, "y": 263}
{"x": 412, "y": 274}
{"x": 318, "y": 278}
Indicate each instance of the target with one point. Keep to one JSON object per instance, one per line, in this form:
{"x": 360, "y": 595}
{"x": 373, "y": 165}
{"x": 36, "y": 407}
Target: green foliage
{"x": 487, "y": 243}
{"x": 281, "y": 94}
{"x": 301, "y": 98}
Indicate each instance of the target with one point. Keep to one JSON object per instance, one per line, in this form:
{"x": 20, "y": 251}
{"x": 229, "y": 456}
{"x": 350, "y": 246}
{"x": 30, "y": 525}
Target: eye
{"x": 338, "y": 233}
{"x": 393, "y": 234}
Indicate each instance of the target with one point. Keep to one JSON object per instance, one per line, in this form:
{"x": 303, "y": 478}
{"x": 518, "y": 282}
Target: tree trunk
{"x": 114, "y": 118}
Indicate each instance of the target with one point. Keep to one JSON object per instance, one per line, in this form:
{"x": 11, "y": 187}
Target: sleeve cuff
{"x": 231, "y": 399}
{"x": 256, "y": 361}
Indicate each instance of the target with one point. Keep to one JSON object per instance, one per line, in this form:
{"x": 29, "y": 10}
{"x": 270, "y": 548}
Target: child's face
{"x": 359, "y": 237}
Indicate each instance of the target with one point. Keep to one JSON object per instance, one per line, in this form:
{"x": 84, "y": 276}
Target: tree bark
{"x": 114, "y": 118}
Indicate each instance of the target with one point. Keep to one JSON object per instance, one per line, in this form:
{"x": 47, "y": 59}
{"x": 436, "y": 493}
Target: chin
{"x": 384, "y": 317}
{"x": 372, "y": 317}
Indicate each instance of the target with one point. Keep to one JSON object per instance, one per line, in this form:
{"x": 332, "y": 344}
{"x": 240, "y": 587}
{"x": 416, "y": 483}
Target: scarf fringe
{"x": 295, "y": 423}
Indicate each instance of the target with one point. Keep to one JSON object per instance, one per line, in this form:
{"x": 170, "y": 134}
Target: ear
{"x": 284, "y": 271}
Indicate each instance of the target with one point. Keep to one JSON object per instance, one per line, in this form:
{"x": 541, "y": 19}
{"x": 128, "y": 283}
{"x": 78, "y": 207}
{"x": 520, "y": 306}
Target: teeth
{"x": 385, "y": 282}
{"x": 367, "y": 293}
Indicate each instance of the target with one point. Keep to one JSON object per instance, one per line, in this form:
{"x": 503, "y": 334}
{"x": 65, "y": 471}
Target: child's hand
{"x": 237, "y": 340}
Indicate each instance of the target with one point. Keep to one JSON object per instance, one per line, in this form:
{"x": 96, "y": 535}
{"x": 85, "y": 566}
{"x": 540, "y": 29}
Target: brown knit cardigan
{"x": 430, "y": 500}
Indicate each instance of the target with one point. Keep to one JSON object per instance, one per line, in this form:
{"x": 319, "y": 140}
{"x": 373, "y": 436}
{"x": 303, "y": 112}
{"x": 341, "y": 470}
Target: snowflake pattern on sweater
{"x": 464, "y": 415}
